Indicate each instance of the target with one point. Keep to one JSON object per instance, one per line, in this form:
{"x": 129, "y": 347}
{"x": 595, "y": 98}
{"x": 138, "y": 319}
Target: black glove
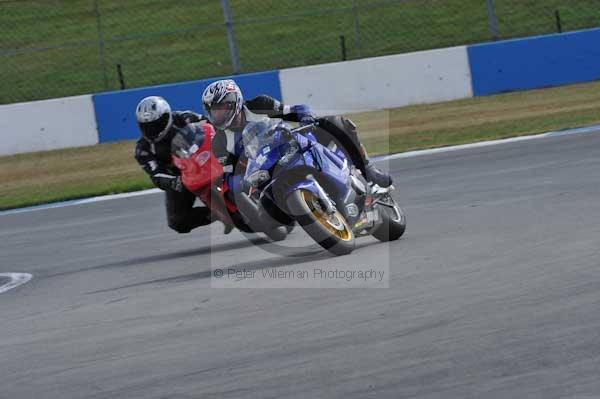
{"x": 166, "y": 181}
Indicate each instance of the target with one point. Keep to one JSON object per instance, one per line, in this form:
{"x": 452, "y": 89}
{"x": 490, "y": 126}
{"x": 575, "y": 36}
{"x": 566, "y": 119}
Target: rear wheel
{"x": 332, "y": 232}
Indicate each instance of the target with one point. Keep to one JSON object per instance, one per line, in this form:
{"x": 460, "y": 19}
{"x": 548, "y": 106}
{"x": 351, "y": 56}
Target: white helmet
{"x": 222, "y": 101}
{"x": 154, "y": 118}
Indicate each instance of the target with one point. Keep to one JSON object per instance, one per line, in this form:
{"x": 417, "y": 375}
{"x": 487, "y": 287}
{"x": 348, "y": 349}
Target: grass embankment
{"x": 51, "y": 48}
{"x": 36, "y": 178}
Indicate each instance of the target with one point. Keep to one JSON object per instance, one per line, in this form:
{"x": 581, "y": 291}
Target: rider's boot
{"x": 378, "y": 176}
{"x": 227, "y": 227}
{"x": 375, "y": 175}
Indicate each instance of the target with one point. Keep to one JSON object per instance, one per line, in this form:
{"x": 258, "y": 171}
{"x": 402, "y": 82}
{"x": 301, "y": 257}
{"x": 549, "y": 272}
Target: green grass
{"x": 161, "y": 41}
{"x": 110, "y": 168}
{"x": 476, "y": 119}
{"x": 42, "y": 177}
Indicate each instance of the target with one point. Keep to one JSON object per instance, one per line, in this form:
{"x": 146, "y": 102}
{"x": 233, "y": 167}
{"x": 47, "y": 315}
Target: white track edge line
{"x": 80, "y": 201}
{"x": 488, "y": 143}
{"x": 16, "y": 279}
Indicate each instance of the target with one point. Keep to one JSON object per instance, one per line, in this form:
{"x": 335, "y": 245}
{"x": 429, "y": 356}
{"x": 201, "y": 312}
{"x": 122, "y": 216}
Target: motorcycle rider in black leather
{"x": 158, "y": 125}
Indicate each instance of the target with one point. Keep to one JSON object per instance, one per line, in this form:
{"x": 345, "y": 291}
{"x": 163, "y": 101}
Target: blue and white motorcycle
{"x": 299, "y": 179}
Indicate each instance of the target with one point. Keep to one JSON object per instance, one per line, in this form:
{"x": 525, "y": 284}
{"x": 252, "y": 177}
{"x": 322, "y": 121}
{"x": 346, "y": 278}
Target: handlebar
{"x": 301, "y": 129}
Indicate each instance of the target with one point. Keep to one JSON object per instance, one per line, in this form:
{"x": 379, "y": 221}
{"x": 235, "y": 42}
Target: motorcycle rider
{"x": 225, "y": 108}
{"x": 158, "y": 125}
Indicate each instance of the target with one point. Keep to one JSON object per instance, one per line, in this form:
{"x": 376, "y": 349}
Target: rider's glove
{"x": 305, "y": 115}
{"x": 307, "y": 120}
{"x": 167, "y": 181}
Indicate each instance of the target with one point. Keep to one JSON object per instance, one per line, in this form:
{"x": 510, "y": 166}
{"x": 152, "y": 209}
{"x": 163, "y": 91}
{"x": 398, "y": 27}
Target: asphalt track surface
{"x": 494, "y": 292}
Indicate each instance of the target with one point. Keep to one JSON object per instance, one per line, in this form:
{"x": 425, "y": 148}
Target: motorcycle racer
{"x": 158, "y": 125}
{"x": 226, "y": 109}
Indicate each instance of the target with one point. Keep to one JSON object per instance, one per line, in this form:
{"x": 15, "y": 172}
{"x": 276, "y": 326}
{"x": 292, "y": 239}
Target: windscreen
{"x": 257, "y": 135}
{"x": 187, "y": 140}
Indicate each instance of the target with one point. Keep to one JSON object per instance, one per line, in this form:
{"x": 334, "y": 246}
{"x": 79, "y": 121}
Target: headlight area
{"x": 258, "y": 177}
{"x": 289, "y": 153}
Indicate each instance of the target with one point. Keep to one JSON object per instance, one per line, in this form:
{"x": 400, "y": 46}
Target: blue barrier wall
{"x": 535, "y": 62}
{"x": 490, "y": 68}
{"x": 115, "y": 111}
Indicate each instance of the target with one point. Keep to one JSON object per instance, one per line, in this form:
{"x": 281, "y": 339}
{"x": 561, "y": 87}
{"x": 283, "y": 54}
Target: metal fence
{"x": 53, "y": 48}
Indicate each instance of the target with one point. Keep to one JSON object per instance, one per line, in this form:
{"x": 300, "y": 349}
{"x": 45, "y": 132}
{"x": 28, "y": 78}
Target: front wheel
{"x": 332, "y": 232}
{"x": 393, "y": 223}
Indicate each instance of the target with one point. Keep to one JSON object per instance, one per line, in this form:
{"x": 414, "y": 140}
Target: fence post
{"x": 101, "y": 44}
{"x": 235, "y": 61}
{"x": 121, "y": 77}
{"x": 558, "y": 21}
{"x": 492, "y": 20}
{"x": 357, "y": 37}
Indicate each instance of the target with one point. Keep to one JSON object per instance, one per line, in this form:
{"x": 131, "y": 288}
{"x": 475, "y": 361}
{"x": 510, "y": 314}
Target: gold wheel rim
{"x": 341, "y": 229}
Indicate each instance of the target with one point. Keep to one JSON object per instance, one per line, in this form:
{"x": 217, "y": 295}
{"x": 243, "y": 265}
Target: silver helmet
{"x": 222, "y": 101}
{"x": 154, "y": 118}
